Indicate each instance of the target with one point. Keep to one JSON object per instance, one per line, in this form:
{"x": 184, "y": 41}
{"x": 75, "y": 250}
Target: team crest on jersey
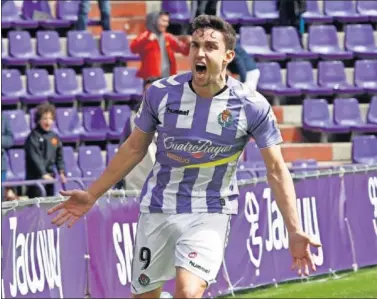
{"x": 225, "y": 118}
{"x": 144, "y": 280}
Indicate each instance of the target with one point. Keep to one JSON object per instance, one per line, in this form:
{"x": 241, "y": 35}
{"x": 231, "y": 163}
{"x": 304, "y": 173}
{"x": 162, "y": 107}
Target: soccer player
{"x": 204, "y": 119}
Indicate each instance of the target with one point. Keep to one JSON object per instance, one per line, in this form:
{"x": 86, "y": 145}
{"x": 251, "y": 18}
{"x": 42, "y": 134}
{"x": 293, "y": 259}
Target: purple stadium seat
{"x": 300, "y": 75}
{"x": 40, "y": 10}
{"x": 11, "y": 17}
{"x": 32, "y": 120}
{"x": 316, "y": 117}
{"x": 266, "y": 10}
{"x": 237, "y": 12}
{"x": 270, "y": 81}
{"x": 304, "y": 166}
{"x": 66, "y": 86}
{"x": 367, "y": 8}
{"x": 48, "y": 48}
{"x": 81, "y": 44}
{"x": 70, "y": 161}
{"x": 115, "y": 44}
{"x": 365, "y": 75}
{"x": 343, "y": 11}
{"x": 18, "y": 125}
{"x": 359, "y": 39}
{"x": 95, "y": 125}
{"x": 364, "y": 149}
{"x": 12, "y": 88}
{"x": 68, "y": 124}
{"x": 17, "y": 163}
{"x": 252, "y": 153}
{"x": 313, "y": 14}
{"x": 245, "y": 174}
{"x": 254, "y": 41}
{"x": 323, "y": 40}
{"x": 332, "y": 74}
{"x": 10, "y": 175}
{"x": 347, "y": 113}
{"x": 178, "y": 10}
{"x": 20, "y": 48}
{"x": 68, "y": 10}
{"x": 372, "y": 112}
{"x": 286, "y": 40}
{"x": 90, "y": 159}
{"x": 94, "y": 85}
{"x": 111, "y": 150}
{"x": 38, "y": 87}
{"x": 119, "y": 117}
{"x": 126, "y": 85}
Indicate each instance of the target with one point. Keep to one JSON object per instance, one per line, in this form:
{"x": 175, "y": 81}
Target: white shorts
{"x": 195, "y": 242}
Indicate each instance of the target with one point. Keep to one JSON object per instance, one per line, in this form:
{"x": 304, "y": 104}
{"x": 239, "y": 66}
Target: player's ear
{"x": 229, "y": 55}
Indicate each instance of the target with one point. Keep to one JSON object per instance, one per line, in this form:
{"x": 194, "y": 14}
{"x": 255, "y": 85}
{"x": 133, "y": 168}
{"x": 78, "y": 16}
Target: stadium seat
{"x": 40, "y": 9}
{"x": 95, "y": 127}
{"x": 68, "y": 124}
{"x": 365, "y": 75}
{"x": 18, "y": 125}
{"x": 119, "y": 117}
{"x": 9, "y": 175}
{"x": 81, "y": 44}
{"x": 316, "y": 117}
{"x": 94, "y": 85}
{"x": 300, "y": 167}
{"x": 90, "y": 159}
{"x": 347, "y": 113}
{"x": 266, "y": 10}
{"x": 11, "y": 17}
{"x": 111, "y": 150}
{"x": 20, "y": 49}
{"x": 17, "y": 163}
{"x": 237, "y": 12}
{"x": 359, "y": 39}
{"x": 343, "y": 11}
{"x": 252, "y": 154}
{"x": 286, "y": 40}
{"x": 48, "y": 48}
{"x": 364, "y": 149}
{"x": 323, "y": 40}
{"x": 254, "y": 40}
{"x": 300, "y": 76}
{"x": 332, "y": 74}
{"x": 178, "y": 10}
{"x": 12, "y": 88}
{"x": 271, "y": 83}
{"x": 245, "y": 170}
{"x": 372, "y": 112}
{"x": 314, "y": 15}
{"x": 68, "y": 10}
{"x": 66, "y": 86}
{"x": 70, "y": 161}
{"x": 38, "y": 87}
{"x": 126, "y": 85}
{"x": 115, "y": 44}
{"x": 367, "y": 8}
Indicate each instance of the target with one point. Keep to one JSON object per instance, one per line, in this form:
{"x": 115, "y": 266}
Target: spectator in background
{"x": 84, "y": 8}
{"x": 43, "y": 151}
{"x": 290, "y": 12}
{"x": 244, "y": 65}
{"x": 156, "y": 48}
{"x": 201, "y": 7}
{"x": 7, "y": 141}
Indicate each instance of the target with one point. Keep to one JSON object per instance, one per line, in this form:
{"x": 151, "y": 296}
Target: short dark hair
{"x": 163, "y": 13}
{"x": 43, "y": 109}
{"x": 216, "y": 23}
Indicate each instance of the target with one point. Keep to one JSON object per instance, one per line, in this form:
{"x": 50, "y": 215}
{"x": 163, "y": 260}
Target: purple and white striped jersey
{"x": 199, "y": 142}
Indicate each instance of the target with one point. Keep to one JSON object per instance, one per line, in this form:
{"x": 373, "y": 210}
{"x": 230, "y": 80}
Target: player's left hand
{"x": 299, "y": 246}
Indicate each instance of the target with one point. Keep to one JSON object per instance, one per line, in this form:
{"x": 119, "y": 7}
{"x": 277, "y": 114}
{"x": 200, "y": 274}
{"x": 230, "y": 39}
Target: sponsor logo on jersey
{"x": 176, "y": 111}
{"x": 192, "y": 255}
{"x": 178, "y": 158}
{"x": 197, "y": 149}
{"x": 144, "y": 280}
{"x": 197, "y": 266}
{"x": 54, "y": 141}
{"x": 225, "y": 118}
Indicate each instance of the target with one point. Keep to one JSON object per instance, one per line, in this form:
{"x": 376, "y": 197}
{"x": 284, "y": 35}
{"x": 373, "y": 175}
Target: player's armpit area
{"x": 139, "y": 140}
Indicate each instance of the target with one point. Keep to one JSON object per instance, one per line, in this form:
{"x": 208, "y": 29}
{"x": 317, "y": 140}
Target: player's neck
{"x": 212, "y": 89}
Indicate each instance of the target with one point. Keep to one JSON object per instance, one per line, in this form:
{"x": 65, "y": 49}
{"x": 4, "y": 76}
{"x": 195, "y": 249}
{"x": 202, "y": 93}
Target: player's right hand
{"x": 77, "y": 205}
{"x": 152, "y": 36}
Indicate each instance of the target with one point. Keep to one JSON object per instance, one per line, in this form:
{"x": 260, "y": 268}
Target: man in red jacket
{"x": 156, "y": 48}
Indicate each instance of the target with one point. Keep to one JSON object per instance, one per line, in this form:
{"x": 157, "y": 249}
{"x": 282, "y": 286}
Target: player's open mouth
{"x": 200, "y": 68}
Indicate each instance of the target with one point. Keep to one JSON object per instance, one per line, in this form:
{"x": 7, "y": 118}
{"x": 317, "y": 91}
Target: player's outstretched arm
{"x": 128, "y": 156}
{"x": 282, "y": 187}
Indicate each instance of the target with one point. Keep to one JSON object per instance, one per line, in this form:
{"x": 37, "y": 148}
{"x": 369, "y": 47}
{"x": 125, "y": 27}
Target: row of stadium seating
{"x": 81, "y": 47}
{"x": 235, "y": 12}
{"x": 89, "y": 161}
